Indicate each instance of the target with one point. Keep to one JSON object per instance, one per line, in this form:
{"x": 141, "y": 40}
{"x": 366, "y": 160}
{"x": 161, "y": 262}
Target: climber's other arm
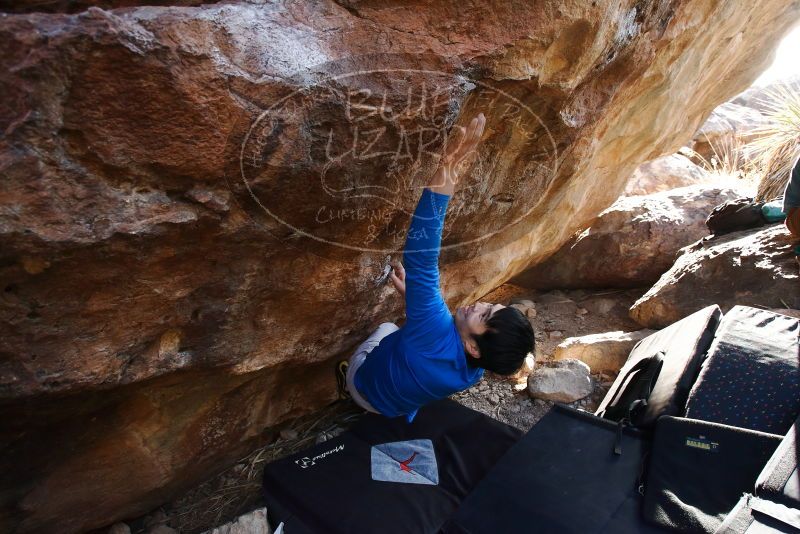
{"x": 398, "y": 277}
{"x": 425, "y": 306}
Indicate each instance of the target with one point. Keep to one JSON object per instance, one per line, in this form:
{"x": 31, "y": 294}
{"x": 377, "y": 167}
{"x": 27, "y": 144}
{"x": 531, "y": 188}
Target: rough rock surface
{"x": 606, "y": 352}
{"x": 632, "y": 243}
{"x": 663, "y": 174}
{"x": 752, "y": 268}
{"x": 563, "y": 381}
{"x": 198, "y": 203}
{"x": 75, "y": 6}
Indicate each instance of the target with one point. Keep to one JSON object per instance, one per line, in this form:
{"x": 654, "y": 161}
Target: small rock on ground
{"x": 600, "y": 306}
{"x": 566, "y": 381}
{"x": 253, "y": 523}
{"x": 119, "y": 528}
{"x": 288, "y": 434}
{"x": 528, "y": 310}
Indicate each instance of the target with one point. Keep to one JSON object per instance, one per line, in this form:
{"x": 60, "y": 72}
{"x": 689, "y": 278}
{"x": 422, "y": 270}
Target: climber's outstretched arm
{"x": 425, "y": 306}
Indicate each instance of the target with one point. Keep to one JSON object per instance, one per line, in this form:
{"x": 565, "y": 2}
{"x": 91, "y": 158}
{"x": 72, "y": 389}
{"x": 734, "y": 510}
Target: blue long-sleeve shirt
{"x": 424, "y": 360}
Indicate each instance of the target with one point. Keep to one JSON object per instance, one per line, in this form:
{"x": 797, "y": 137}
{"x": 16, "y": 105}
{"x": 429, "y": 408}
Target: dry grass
{"x": 777, "y": 145}
{"x": 727, "y": 165}
{"x": 764, "y": 163}
{"x": 237, "y": 490}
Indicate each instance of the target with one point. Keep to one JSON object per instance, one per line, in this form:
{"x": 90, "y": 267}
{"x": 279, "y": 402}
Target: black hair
{"x": 506, "y": 342}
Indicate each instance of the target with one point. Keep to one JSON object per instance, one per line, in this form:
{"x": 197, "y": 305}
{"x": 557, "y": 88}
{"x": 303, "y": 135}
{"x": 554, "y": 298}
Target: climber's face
{"x": 472, "y": 321}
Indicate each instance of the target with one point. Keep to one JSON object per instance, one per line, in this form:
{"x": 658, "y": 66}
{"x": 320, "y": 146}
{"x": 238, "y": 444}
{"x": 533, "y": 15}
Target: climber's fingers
{"x": 453, "y": 143}
{"x": 399, "y": 269}
{"x": 472, "y": 136}
{"x": 398, "y": 284}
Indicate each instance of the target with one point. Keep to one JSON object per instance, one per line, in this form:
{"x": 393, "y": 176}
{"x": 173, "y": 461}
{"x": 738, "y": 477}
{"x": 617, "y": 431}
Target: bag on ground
{"x": 698, "y": 470}
{"x": 735, "y": 215}
{"x": 682, "y": 347}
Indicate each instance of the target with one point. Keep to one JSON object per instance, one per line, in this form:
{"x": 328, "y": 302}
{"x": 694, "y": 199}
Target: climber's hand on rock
{"x": 398, "y": 277}
{"x": 458, "y": 151}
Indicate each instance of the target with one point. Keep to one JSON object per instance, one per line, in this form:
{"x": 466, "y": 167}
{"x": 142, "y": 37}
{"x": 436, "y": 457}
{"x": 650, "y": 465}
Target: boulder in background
{"x": 751, "y": 268}
{"x": 665, "y": 173}
{"x": 728, "y": 127}
{"x": 632, "y": 243}
{"x": 603, "y": 353}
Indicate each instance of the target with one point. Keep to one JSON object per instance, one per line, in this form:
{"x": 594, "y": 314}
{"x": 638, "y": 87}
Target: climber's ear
{"x": 472, "y": 348}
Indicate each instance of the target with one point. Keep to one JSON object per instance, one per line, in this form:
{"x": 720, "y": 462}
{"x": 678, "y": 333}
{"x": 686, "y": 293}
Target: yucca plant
{"x": 777, "y": 145}
{"x": 727, "y": 164}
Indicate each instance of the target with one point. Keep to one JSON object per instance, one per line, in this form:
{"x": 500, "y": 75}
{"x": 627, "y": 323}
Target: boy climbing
{"x": 435, "y": 354}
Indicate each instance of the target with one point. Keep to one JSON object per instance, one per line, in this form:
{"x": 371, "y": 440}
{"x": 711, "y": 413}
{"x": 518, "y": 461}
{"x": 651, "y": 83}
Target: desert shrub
{"x": 777, "y": 145}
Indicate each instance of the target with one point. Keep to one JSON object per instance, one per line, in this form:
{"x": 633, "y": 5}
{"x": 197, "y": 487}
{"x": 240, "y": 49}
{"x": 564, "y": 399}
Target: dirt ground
{"x": 559, "y": 314}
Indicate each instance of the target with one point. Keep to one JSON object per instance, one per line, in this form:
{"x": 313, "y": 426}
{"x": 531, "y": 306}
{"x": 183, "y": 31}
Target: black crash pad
{"x": 563, "y": 477}
{"x": 751, "y": 377}
{"x": 683, "y": 345}
{"x": 386, "y": 475}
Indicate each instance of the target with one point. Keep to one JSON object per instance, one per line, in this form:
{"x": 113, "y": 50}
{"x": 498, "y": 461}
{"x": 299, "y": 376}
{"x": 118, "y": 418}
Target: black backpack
{"x": 734, "y": 215}
{"x": 628, "y": 402}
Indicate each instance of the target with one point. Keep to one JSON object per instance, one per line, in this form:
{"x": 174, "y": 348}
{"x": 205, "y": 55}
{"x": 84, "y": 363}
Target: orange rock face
{"x": 197, "y": 204}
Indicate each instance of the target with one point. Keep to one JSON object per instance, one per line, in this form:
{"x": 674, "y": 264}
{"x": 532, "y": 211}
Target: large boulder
{"x": 663, "y": 174}
{"x": 198, "y": 203}
{"x": 603, "y": 352}
{"x": 751, "y": 267}
{"x": 632, "y": 243}
{"x": 76, "y": 6}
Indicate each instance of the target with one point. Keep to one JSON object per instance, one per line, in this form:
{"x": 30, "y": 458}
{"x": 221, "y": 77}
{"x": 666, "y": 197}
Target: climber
{"x": 435, "y": 353}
